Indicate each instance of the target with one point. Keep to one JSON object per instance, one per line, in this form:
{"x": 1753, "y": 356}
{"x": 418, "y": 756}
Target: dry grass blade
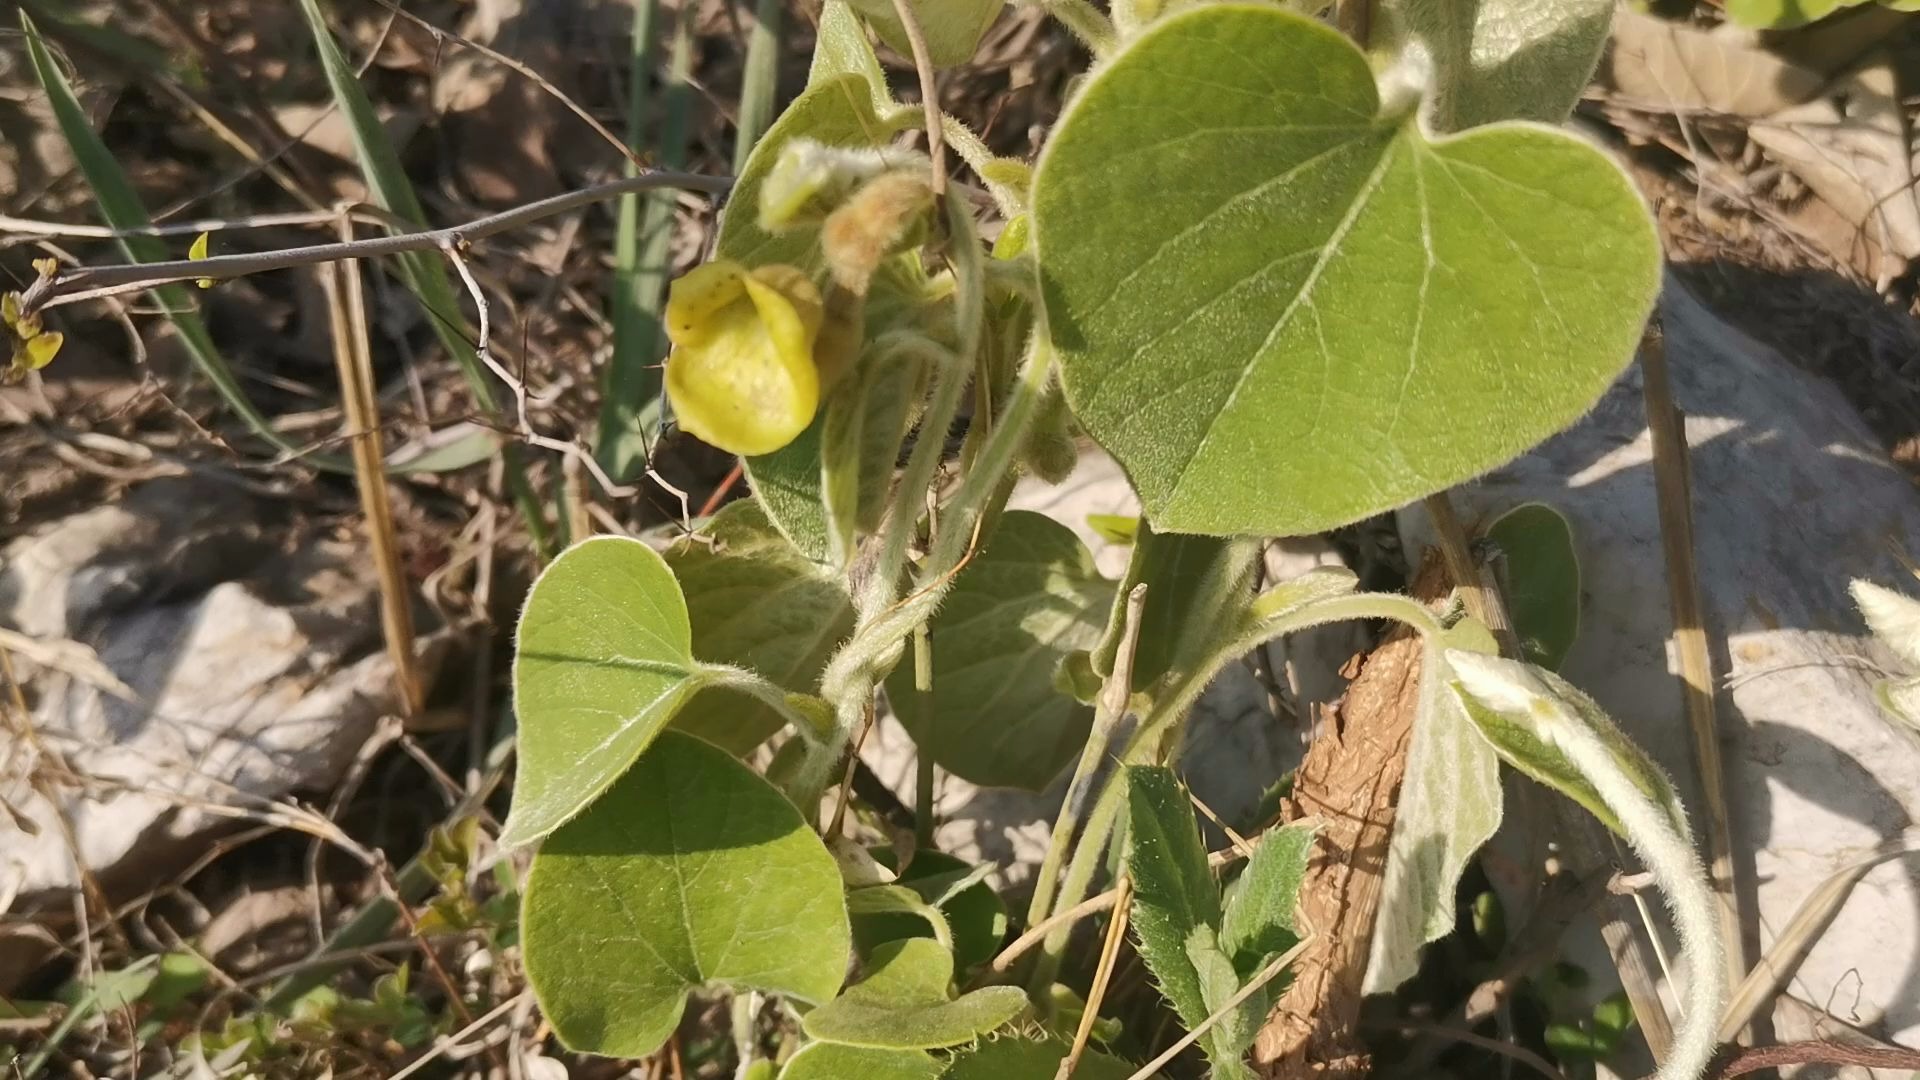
{"x": 759, "y": 82}
{"x": 1795, "y": 940}
{"x": 1673, "y": 487}
{"x": 423, "y": 273}
{"x": 1102, "y": 977}
{"x": 347, "y": 308}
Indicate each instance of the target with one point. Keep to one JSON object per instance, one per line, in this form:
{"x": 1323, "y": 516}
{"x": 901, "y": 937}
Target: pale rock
{"x": 1793, "y": 497}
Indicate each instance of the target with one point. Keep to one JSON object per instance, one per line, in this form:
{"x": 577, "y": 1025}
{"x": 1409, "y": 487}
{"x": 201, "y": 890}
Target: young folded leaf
{"x": 1571, "y": 745}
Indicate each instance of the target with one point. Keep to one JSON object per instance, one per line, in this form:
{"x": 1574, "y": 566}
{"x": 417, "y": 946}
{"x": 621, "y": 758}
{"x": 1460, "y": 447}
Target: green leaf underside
{"x": 1451, "y": 803}
{"x": 1009, "y": 1058}
{"x": 904, "y": 1003}
{"x": 1326, "y": 315}
{"x": 1031, "y": 597}
{"x": 833, "y": 1061}
{"x": 1258, "y": 922}
{"x": 1174, "y": 894}
{"x": 1542, "y": 581}
{"x": 604, "y": 660}
{"x": 754, "y": 602}
{"x": 691, "y": 870}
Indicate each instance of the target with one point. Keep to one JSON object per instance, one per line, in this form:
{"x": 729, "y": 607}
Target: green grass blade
{"x": 120, "y": 206}
{"x": 630, "y": 408}
{"x": 760, "y": 81}
{"x": 424, "y": 273}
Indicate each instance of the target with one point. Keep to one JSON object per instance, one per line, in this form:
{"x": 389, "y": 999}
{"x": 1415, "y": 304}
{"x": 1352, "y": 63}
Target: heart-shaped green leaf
{"x": 690, "y": 870}
{"x": 1325, "y": 314}
{"x": 833, "y": 1061}
{"x": 1031, "y": 597}
{"x": 604, "y": 660}
{"x": 755, "y": 602}
{"x": 904, "y": 1003}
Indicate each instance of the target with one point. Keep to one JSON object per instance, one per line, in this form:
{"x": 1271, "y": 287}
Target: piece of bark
{"x": 1350, "y": 780}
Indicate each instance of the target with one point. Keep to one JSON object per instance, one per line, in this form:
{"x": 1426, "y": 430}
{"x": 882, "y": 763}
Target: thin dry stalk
{"x": 929, "y": 94}
{"x": 1102, "y": 977}
{"x": 346, "y": 306}
{"x": 1673, "y": 487}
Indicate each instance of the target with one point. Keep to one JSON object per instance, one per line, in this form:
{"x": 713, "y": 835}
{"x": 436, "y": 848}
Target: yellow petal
{"x": 199, "y": 251}
{"x": 10, "y": 309}
{"x": 695, "y": 300}
{"x": 37, "y": 352}
{"x": 743, "y": 378}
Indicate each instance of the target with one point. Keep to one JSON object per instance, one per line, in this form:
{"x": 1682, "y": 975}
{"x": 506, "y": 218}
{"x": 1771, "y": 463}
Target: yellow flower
{"x": 33, "y": 346}
{"x": 741, "y": 375}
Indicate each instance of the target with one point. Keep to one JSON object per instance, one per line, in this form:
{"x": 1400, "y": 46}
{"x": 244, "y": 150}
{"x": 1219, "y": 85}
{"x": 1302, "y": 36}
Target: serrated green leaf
{"x": 974, "y": 912}
{"x": 1174, "y": 894}
{"x": 1010, "y": 1058}
{"x": 1518, "y": 708}
{"x": 1258, "y": 921}
{"x": 905, "y": 1003}
{"x": 833, "y": 1061}
{"x": 754, "y": 602}
{"x": 603, "y": 661}
{"x": 1451, "y": 803}
{"x": 953, "y": 28}
{"x": 1233, "y": 1033}
{"x": 1542, "y": 578}
{"x": 1499, "y": 59}
{"x": 1030, "y": 597}
{"x": 1198, "y": 591}
{"x": 840, "y": 47}
{"x": 690, "y": 870}
{"x": 1326, "y": 315}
